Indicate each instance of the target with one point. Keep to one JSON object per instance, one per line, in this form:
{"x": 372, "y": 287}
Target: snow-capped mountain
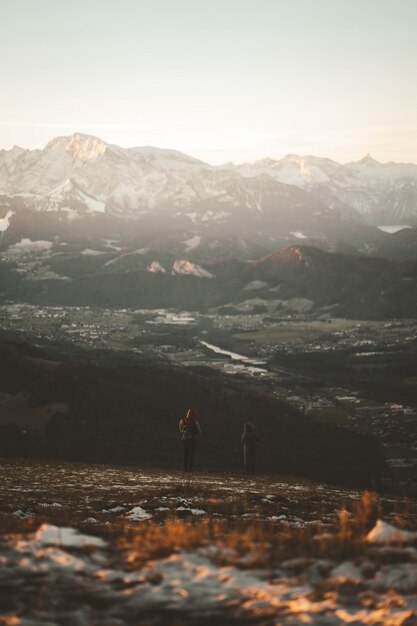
{"x": 183, "y": 266}
{"x": 83, "y": 173}
{"x": 383, "y": 193}
{"x": 153, "y": 190}
{"x": 120, "y": 178}
{"x": 80, "y": 187}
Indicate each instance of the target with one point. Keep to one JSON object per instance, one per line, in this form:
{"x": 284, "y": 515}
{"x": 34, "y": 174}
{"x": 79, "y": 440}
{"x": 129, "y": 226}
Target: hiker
{"x": 190, "y": 431}
{"x": 250, "y": 442}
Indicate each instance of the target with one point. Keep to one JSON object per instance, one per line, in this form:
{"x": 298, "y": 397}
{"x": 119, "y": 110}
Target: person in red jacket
{"x": 190, "y": 431}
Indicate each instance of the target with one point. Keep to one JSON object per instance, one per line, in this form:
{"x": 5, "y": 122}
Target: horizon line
{"x": 367, "y": 155}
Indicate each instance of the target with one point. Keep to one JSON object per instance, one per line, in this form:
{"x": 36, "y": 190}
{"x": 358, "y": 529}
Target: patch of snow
{"x": 393, "y": 229}
{"x": 91, "y": 252}
{"x": 214, "y": 216}
{"x": 167, "y": 159}
{"x": 115, "y": 509}
{"x": 47, "y": 534}
{"x": 5, "y": 222}
{"x": 298, "y": 235}
{"x": 192, "y": 243}
{"x": 27, "y": 246}
{"x": 155, "y": 267}
{"x": 386, "y": 533}
{"x": 192, "y": 216}
{"x": 139, "y": 252}
{"x": 138, "y": 514}
{"x": 22, "y": 514}
{"x": 45, "y": 273}
{"x": 63, "y": 195}
{"x": 110, "y": 243}
{"x": 71, "y": 214}
{"x": 193, "y": 511}
{"x": 255, "y": 285}
{"x": 53, "y": 505}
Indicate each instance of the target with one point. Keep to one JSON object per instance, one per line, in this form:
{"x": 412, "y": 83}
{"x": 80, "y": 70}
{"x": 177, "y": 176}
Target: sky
{"x": 222, "y": 80}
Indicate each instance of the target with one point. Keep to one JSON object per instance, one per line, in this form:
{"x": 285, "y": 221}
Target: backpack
{"x": 188, "y": 432}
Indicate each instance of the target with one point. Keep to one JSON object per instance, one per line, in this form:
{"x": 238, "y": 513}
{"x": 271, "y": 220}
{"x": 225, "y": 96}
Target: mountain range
{"x": 86, "y": 222}
{"x": 81, "y": 186}
{"x": 296, "y": 280}
{"x": 104, "y": 177}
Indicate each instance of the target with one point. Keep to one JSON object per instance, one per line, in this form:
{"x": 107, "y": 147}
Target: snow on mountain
{"x": 82, "y": 173}
{"x": 306, "y": 171}
{"x": 168, "y": 159}
{"x": 126, "y": 177}
{"x": 183, "y": 266}
{"x": 298, "y": 235}
{"x": 68, "y": 196}
{"x": 192, "y": 243}
{"x": 292, "y": 170}
{"x": 126, "y": 181}
{"x": 27, "y": 247}
{"x": 394, "y": 228}
{"x": 5, "y": 222}
{"x": 156, "y": 268}
{"x": 383, "y": 193}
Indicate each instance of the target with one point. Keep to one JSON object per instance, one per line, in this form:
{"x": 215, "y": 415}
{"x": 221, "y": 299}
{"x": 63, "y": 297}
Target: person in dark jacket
{"x": 190, "y": 431}
{"x": 250, "y": 442}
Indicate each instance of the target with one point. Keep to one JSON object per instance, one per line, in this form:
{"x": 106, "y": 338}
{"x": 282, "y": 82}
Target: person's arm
{"x": 181, "y": 425}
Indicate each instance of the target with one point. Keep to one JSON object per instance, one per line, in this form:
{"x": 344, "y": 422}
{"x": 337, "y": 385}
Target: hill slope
{"x": 113, "y": 409}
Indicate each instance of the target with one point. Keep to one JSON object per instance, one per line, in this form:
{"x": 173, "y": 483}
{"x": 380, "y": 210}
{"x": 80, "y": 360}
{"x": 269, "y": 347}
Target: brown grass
{"x": 249, "y": 544}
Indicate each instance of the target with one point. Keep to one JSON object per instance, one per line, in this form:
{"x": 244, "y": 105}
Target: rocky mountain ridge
{"x": 80, "y": 189}
{"x": 84, "y": 169}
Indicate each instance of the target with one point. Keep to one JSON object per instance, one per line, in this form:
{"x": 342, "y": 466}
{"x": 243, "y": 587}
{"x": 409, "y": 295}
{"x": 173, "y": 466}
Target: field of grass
{"x": 300, "y": 332}
{"x": 94, "y": 544}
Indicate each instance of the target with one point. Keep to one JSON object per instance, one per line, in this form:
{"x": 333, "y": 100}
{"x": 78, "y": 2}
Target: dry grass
{"x": 248, "y": 544}
{"x": 240, "y": 526}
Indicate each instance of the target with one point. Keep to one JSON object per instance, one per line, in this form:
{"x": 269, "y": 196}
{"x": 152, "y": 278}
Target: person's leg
{"x": 193, "y": 446}
{"x": 186, "y": 456}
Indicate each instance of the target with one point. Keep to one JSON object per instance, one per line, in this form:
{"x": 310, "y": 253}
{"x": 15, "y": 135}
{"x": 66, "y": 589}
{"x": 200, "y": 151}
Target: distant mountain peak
{"x": 293, "y": 157}
{"x": 79, "y": 146}
{"x": 292, "y": 255}
{"x": 368, "y": 160}
{"x": 183, "y": 266}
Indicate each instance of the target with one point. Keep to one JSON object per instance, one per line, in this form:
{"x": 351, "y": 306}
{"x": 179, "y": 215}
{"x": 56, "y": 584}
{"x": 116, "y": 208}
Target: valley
{"x": 208, "y": 313}
{"x": 359, "y": 375}
{"x": 128, "y": 270}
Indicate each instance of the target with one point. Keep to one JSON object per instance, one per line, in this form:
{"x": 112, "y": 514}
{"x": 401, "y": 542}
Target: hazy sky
{"x": 219, "y": 79}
